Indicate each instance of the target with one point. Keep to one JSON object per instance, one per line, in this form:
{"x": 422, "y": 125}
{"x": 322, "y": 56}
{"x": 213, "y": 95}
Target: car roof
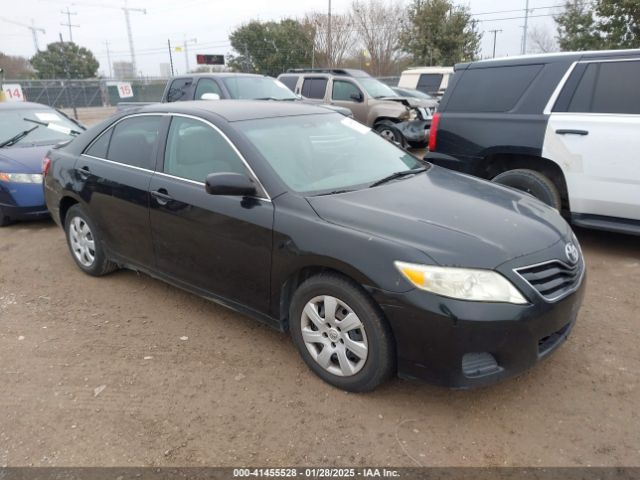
{"x": 217, "y": 74}
{"x": 22, "y": 106}
{"x": 237, "y": 110}
{"x": 549, "y": 58}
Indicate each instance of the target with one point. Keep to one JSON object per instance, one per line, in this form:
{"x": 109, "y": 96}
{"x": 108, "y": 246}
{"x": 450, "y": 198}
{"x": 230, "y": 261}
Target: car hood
{"x": 455, "y": 219}
{"x": 20, "y": 159}
{"x": 412, "y": 102}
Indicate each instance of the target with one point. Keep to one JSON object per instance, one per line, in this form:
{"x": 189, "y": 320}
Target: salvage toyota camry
{"x": 375, "y": 262}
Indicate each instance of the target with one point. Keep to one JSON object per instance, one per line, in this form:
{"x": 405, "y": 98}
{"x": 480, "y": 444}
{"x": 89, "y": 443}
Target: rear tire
{"x": 532, "y": 182}
{"x": 341, "y": 334}
{"x": 85, "y": 244}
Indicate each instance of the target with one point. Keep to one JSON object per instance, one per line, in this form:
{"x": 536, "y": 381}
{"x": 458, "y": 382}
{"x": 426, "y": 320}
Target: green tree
{"x": 271, "y": 47}
{"x": 577, "y": 27}
{"x": 619, "y": 23}
{"x": 608, "y": 24}
{"x": 62, "y": 59}
{"x": 440, "y": 33}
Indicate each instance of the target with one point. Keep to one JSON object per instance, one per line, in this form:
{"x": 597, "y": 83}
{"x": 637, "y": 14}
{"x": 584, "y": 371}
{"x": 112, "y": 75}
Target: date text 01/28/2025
{"x": 316, "y": 472}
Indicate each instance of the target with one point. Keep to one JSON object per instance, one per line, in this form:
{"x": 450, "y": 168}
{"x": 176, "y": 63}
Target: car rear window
{"x": 495, "y": 89}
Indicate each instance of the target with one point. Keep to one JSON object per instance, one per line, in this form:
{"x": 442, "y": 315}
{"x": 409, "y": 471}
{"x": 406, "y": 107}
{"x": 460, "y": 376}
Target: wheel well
{"x": 65, "y": 204}
{"x": 294, "y": 281}
{"x": 498, "y": 163}
{"x": 380, "y": 120}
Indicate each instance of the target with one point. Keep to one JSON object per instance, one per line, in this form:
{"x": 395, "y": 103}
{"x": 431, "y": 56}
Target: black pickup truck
{"x": 223, "y": 86}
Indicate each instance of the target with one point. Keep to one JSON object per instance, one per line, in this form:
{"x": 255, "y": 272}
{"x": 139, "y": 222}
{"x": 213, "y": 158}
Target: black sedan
{"x": 375, "y": 262}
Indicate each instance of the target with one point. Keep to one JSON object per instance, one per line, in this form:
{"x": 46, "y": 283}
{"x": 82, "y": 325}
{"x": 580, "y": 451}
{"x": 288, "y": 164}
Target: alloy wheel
{"x": 334, "y": 336}
{"x": 82, "y": 241}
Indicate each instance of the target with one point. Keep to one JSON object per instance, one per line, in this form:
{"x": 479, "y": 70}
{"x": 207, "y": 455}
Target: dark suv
{"x": 562, "y": 127}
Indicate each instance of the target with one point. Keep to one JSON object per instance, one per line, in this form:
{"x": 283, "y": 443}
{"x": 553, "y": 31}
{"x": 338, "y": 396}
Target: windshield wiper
{"x": 334, "y": 192}
{"x": 45, "y": 124}
{"x": 393, "y": 176}
{"x": 16, "y": 138}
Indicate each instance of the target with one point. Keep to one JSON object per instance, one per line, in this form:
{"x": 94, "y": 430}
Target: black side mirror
{"x": 357, "y": 97}
{"x": 236, "y": 184}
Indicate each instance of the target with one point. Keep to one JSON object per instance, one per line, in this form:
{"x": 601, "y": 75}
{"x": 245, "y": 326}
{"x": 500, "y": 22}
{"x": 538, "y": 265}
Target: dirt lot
{"x": 126, "y": 370}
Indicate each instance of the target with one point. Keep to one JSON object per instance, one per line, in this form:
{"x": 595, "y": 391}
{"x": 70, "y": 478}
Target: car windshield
{"x": 258, "y": 88}
{"x": 12, "y": 122}
{"x": 376, "y": 89}
{"x": 318, "y": 154}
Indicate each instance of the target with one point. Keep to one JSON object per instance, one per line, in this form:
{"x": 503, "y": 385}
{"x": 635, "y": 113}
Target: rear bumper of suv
{"x": 461, "y": 344}
{"x": 463, "y": 164}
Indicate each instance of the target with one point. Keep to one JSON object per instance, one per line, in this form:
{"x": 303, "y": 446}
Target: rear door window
{"x": 290, "y": 81}
{"x": 496, "y": 89}
{"x": 133, "y": 141}
{"x": 99, "y": 147}
{"x": 180, "y": 89}
{"x": 314, "y": 87}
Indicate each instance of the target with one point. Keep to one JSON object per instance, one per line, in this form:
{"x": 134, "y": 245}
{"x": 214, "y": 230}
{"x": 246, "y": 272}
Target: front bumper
{"x": 22, "y": 201}
{"x": 436, "y": 335}
{"x": 414, "y": 131}
{"x": 24, "y": 213}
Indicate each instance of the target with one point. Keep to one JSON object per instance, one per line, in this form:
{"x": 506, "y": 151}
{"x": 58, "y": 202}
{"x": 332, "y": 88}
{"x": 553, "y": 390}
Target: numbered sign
{"x": 125, "y": 90}
{"x": 12, "y": 92}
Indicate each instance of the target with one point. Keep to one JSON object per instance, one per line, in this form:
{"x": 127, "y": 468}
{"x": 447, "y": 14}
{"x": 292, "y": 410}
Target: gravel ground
{"x": 125, "y": 370}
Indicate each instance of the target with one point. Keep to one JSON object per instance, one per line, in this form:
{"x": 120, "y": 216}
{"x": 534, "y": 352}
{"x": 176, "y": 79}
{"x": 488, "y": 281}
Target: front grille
{"x": 553, "y": 280}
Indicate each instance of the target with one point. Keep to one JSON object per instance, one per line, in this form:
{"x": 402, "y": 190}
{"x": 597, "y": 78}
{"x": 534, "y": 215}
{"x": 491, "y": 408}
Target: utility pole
{"x": 108, "y": 58}
{"x": 170, "y": 55}
{"x": 495, "y": 33}
{"x": 526, "y": 27}
{"x": 329, "y": 59}
{"x": 186, "y": 52}
{"x": 68, "y": 13}
{"x": 126, "y": 11}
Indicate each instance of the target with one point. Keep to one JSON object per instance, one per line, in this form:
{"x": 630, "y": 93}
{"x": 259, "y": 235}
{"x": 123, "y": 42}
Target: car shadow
{"x": 609, "y": 243}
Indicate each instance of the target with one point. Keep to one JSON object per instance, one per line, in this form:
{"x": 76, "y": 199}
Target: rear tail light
{"x": 433, "y": 131}
{"x": 46, "y": 164}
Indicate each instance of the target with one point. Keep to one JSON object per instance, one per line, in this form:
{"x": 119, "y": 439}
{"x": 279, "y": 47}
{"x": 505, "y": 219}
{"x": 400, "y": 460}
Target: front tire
{"x": 84, "y": 243}
{"x": 341, "y": 334}
{"x": 389, "y": 132}
{"x": 532, "y": 182}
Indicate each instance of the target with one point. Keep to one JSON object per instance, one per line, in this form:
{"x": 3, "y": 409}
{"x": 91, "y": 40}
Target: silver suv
{"x": 403, "y": 120}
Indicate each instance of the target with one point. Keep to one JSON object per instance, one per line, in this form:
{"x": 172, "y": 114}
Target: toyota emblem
{"x": 572, "y": 253}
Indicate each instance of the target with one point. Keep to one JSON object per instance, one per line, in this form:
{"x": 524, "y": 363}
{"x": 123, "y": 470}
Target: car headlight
{"x": 462, "y": 283}
{"x": 414, "y": 114}
{"x": 21, "y": 177}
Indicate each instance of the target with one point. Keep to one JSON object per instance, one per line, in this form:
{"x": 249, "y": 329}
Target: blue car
{"x": 27, "y": 132}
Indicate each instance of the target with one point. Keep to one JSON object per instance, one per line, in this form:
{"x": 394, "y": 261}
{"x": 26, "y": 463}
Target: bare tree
{"x": 378, "y": 24}
{"x": 342, "y": 37}
{"x": 541, "y": 40}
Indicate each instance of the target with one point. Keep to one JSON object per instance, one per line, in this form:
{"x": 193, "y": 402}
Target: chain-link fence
{"x": 63, "y": 93}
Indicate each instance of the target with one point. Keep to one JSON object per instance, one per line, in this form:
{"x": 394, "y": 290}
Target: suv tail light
{"x": 46, "y": 164}
{"x": 433, "y": 131}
